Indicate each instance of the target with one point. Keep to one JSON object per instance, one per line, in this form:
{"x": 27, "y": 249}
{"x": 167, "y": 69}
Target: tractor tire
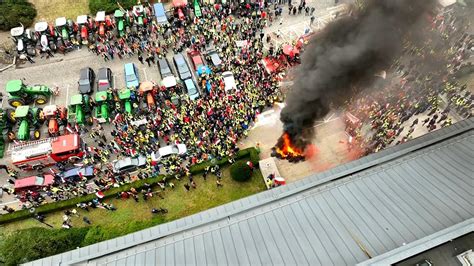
{"x": 90, "y": 121}
{"x": 15, "y": 102}
{"x": 40, "y": 115}
{"x": 11, "y": 136}
{"x": 36, "y": 134}
{"x": 10, "y": 113}
{"x": 38, "y": 168}
{"x": 41, "y": 99}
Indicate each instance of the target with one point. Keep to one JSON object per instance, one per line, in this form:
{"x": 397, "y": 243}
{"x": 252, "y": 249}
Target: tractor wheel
{"x": 90, "y": 121}
{"x": 36, "y": 134}
{"x": 11, "y": 136}
{"x": 41, "y": 99}
{"x": 40, "y": 115}
{"x": 15, "y": 102}
{"x": 38, "y": 168}
{"x": 10, "y": 115}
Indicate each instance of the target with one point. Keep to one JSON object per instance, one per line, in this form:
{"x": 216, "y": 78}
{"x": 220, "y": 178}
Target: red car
{"x": 33, "y": 183}
{"x": 196, "y": 58}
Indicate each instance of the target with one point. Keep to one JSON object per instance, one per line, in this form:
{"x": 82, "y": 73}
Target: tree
{"x": 109, "y": 6}
{"x": 35, "y": 243}
{"x": 240, "y": 171}
{"x": 14, "y": 12}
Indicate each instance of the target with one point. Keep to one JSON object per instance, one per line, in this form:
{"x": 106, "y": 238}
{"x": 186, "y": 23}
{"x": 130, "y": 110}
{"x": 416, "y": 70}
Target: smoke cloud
{"x": 346, "y": 55}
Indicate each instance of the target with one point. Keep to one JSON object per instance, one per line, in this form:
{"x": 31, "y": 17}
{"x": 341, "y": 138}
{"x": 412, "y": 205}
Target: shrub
{"x": 35, "y": 243}
{"x": 14, "y": 12}
{"x": 109, "y": 6}
{"x": 240, "y": 171}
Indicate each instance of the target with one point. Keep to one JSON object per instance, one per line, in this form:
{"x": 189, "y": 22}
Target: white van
{"x": 229, "y": 81}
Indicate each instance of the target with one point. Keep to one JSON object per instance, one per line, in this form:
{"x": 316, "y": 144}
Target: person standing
{"x": 311, "y": 21}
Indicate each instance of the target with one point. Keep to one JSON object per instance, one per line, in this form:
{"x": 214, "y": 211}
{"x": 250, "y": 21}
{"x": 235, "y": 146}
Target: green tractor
{"x": 103, "y": 100}
{"x": 27, "y": 118}
{"x": 124, "y": 96}
{"x": 79, "y": 109}
{"x": 120, "y": 22}
{"x": 21, "y": 94}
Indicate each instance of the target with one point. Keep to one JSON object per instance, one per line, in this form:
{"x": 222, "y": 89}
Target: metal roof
{"x": 343, "y": 216}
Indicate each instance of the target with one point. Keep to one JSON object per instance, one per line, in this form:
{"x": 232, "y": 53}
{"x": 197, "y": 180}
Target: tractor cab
{"x": 118, "y": 14}
{"x": 17, "y": 34}
{"x": 138, "y": 12}
{"x": 51, "y": 113}
{"x": 100, "y": 22}
{"x": 60, "y": 24}
{"x": 102, "y": 110}
{"x": 124, "y": 95}
{"x": 83, "y": 28}
{"x": 147, "y": 91}
{"x": 27, "y": 117}
{"x": 78, "y": 108}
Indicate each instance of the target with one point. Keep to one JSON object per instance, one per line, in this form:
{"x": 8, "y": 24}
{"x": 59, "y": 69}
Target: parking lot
{"x": 63, "y": 72}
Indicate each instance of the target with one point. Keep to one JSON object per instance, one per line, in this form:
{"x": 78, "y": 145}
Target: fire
{"x": 287, "y": 150}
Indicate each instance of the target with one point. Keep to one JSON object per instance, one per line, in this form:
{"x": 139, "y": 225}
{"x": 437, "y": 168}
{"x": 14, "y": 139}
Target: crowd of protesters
{"x": 210, "y": 126}
{"x": 412, "y": 99}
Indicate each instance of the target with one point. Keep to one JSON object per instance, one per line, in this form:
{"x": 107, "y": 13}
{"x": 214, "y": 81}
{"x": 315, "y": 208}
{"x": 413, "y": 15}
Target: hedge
{"x": 252, "y": 153}
{"x": 240, "y": 171}
{"x": 109, "y": 6}
{"x": 14, "y": 12}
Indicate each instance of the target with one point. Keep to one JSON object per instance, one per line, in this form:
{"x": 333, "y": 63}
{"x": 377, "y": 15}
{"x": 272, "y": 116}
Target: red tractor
{"x": 56, "y": 117}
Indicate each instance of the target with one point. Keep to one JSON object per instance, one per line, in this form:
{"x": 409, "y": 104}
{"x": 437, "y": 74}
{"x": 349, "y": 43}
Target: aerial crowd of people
{"x": 212, "y": 125}
{"x": 420, "y": 93}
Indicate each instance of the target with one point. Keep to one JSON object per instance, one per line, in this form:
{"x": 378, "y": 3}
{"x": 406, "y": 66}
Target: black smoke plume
{"x": 347, "y": 55}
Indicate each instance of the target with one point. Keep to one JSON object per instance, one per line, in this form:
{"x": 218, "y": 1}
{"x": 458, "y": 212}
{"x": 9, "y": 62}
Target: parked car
{"x": 77, "y": 173}
{"x": 182, "y": 66}
{"x": 104, "y": 79}
{"x": 164, "y": 67}
{"x": 160, "y": 14}
{"x": 196, "y": 59}
{"x": 191, "y": 88}
{"x": 179, "y": 149}
{"x": 131, "y": 75}
{"x": 33, "y": 183}
{"x": 129, "y": 164}
{"x": 229, "y": 81}
{"x": 86, "y": 80}
{"x": 214, "y": 58}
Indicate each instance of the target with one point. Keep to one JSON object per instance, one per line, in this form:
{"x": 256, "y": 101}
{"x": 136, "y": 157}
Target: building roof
{"x": 343, "y": 216}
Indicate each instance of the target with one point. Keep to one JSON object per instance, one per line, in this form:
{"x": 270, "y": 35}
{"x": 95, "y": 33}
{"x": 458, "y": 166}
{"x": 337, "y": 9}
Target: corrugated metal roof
{"x": 341, "y": 217}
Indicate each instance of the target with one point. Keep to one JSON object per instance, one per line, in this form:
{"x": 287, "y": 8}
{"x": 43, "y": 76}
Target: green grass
{"x": 178, "y": 201}
{"x": 49, "y": 10}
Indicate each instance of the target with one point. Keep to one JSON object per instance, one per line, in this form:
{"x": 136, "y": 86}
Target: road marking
{"x": 67, "y": 93}
{"x": 10, "y": 202}
{"x": 144, "y": 72}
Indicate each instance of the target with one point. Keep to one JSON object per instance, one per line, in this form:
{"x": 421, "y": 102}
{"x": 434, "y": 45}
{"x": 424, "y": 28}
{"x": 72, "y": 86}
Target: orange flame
{"x": 287, "y": 149}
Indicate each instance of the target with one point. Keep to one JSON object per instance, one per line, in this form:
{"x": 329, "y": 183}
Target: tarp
{"x": 180, "y": 3}
{"x": 290, "y": 50}
{"x": 146, "y": 86}
{"x": 203, "y": 70}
